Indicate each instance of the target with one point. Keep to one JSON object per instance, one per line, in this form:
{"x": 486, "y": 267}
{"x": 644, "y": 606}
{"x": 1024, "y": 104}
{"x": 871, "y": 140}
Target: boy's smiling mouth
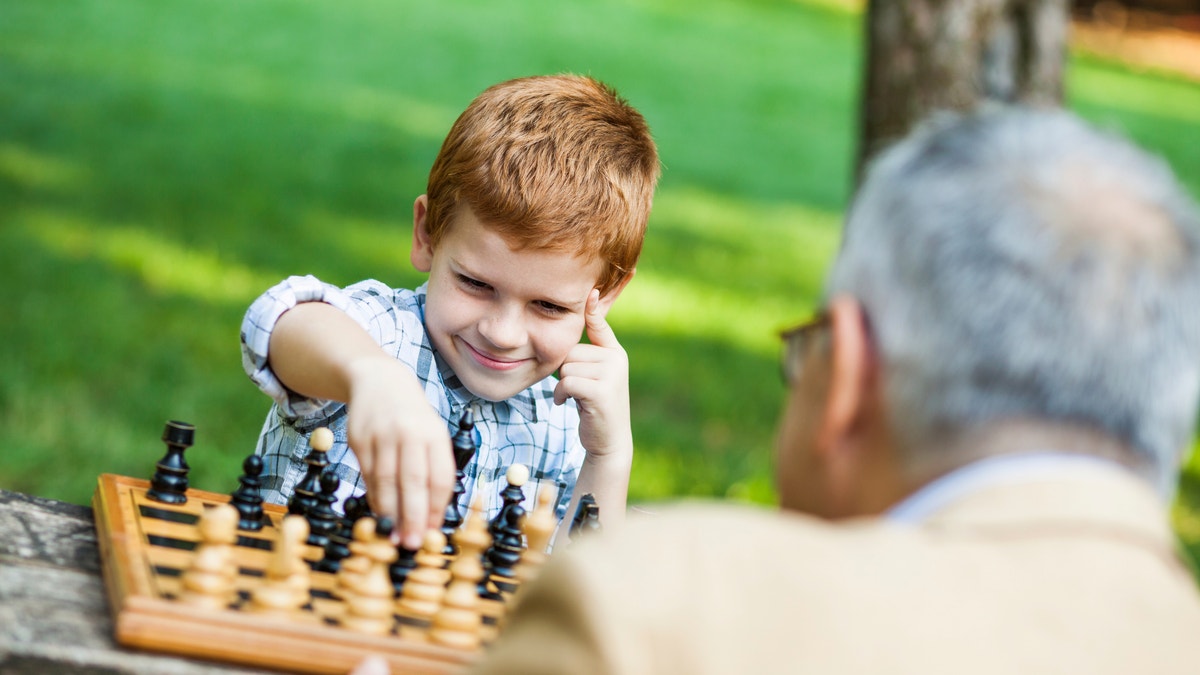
{"x": 488, "y": 361}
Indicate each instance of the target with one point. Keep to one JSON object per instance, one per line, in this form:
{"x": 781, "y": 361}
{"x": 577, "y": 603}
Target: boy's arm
{"x": 596, "y": 375}
{"x": 401, "y": 443}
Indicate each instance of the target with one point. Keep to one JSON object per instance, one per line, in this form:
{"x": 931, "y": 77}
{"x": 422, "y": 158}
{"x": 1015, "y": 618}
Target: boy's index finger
{"x": 599, "y": 332}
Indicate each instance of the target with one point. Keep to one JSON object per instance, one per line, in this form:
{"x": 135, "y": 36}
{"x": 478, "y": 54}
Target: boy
{"x": 530, "y": 228}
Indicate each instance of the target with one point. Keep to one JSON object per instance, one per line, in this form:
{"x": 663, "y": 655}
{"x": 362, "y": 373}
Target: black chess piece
{"x": 170, "y": 481}
{"x": 247, "y": 498}
{"x": 463, "y": 442}
{"x": 512, "y": 494}
{"x": 508, "y": 542}
{"x": 356, "y": 507}
{"x": 587, "y": 517}
{"x": 322, "y": 519}
{"x": 406, "y": 561}
{"x": 337, "y": 548}
{"x": 305, "y": 496}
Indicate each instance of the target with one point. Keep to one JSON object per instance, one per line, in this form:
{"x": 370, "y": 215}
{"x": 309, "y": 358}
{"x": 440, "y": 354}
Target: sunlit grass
{"x": 162, "y": 265}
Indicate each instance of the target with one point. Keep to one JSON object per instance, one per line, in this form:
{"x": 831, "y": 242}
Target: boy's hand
{"x": 403, "y": 447}
{"x": 596, "y": 375}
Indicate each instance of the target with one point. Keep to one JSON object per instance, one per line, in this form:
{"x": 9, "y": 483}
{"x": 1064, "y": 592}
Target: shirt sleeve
{"x": 259, "y": 324}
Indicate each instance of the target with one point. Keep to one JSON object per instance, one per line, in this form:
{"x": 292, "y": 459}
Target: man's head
{"x": 1008, "y": 269}
{"x": 538, "y": 198}
{"x": 550, "y": 163}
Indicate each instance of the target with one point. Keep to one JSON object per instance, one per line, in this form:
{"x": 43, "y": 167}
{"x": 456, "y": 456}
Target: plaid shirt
{"x": 526, "y": 429}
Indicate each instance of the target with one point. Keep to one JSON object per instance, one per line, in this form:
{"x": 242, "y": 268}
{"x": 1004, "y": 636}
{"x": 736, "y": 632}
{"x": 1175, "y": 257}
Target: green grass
{"x": 162, "y": 163}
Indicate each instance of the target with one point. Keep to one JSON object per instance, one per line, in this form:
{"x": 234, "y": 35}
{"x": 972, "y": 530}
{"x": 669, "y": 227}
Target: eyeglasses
{"x": 796, "y": 342}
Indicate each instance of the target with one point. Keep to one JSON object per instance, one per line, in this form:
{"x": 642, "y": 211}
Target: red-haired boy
{"x": 530, "y": 228}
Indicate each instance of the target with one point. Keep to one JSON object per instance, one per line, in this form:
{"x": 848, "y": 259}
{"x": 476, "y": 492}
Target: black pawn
{"x": 305, "y": 497}
{"x": 170, "y": 482}
{"x": 587, "y": 517}
{"x": 463, "y": 442}
{"x": 337, "y": 548}
{"x": 322, "y": 519}
{"x": 405, "y": 562}
{"x": 356, "y": 507}
{"x": 507, "y": 545}
{"x": 247, "y": 498}
{"x": 512, "y": 494}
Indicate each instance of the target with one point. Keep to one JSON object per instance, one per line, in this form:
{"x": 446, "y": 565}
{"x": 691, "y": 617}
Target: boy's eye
{"x": 472, "y": 283}
{"x": 551, "y": 308}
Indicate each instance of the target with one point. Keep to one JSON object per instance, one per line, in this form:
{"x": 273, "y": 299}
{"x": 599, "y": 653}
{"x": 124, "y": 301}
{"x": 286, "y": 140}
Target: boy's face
{"x": 502, "y": 319}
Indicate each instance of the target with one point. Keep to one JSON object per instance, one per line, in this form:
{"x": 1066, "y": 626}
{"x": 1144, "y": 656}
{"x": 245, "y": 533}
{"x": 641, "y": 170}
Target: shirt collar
{"x": 982, "y": 474}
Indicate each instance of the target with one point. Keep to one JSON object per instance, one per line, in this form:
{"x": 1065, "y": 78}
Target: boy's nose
{"x": 503, "y": 328}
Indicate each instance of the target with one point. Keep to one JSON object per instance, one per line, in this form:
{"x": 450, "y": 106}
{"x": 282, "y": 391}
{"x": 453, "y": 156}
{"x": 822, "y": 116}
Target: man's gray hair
{"x": 1017, "y": 264}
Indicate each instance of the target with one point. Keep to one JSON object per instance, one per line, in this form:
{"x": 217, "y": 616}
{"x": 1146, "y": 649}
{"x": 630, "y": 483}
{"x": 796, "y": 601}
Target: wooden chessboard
{"x": 145, "y": 545}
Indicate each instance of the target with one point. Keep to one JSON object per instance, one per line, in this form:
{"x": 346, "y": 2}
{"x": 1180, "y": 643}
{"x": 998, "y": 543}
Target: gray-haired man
{"x": 987, "y": 417}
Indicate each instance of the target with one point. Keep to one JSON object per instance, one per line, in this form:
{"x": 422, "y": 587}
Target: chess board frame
{"x": 145, "y": 617}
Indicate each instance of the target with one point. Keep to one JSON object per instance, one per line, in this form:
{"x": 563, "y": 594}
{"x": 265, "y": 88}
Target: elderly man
{"x": 986, "y": 419}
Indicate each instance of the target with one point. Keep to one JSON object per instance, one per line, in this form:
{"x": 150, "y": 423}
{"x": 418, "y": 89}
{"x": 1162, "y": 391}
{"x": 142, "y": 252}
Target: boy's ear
{"x": 607, "y": 300}
{"x": 422, "y": 251}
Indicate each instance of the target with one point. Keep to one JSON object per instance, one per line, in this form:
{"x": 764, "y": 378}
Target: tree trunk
{"x": 928, "y": 55}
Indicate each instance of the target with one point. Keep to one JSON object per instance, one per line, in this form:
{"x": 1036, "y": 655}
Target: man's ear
{"x": 422, "y": 251}
{"x": 607, "y": 300}
{"x": 851, "y": 361}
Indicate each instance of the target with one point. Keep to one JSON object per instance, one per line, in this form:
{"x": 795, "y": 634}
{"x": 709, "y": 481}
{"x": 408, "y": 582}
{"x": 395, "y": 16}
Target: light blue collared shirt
{"x": 527, "y": 428}
{"x": 985, "y": 473}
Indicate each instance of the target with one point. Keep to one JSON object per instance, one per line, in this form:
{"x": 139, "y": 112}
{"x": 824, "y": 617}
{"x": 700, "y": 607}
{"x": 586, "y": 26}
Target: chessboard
{"x": 302, "y": 588}
{"x": 146, "y": 547}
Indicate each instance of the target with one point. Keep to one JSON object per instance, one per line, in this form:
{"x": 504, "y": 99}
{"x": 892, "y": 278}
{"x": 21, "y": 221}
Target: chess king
{"x": 529, "y": 229}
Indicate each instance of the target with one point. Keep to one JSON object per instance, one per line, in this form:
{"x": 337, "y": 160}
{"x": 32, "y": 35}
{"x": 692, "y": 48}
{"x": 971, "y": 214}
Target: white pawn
{"x": 369, "y": 598}
{"x": 210, "y": 579}
{"x": 539, "y": 529}
{"x": 422, "y": 593}
{"x": 459, "y": 622}
{"x": 355, "y": 567}
{"x": 286, "y": 584}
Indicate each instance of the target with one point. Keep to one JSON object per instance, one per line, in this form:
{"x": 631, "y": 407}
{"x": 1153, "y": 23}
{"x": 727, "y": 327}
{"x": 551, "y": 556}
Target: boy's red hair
{"x": 552, "y": 162}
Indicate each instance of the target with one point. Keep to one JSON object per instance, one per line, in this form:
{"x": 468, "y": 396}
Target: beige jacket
{"x": 1066, "y": 576}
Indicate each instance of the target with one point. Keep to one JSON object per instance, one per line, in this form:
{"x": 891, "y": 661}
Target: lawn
{"x": 162, "y": 163}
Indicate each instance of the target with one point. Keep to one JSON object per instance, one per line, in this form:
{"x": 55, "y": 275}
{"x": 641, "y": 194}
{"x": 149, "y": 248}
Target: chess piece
{"x": 463, "y": 443}
{"x": 247, "y": 498}
{"x": 210, "y": 579}
{"x": 539, "y": 529}
{"x": 423, "y": 591}
{"x": 285, "y": 587}
{"x": 170, "y": 481}
{"x": 458, "y": 623}
{"x": 338, "y": 547}
{"x": 356, "y": 507}
{"x": 305, "y": 496}
{"x": 507, "y": 543}
{"x": 406, "y": 562}
{"x": 355, "y": 567}
{"x": 369, "y": 600}
{"x": 322, "y": 519}
{"x": 512, "y": 494}
{"x": 587, "y": 516}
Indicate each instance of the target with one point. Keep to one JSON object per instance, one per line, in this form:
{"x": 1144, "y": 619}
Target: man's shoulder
{"x": 730, "y": 535}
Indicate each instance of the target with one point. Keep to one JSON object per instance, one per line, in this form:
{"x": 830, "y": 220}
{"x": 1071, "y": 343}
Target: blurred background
{"x": 164, "y": 162}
